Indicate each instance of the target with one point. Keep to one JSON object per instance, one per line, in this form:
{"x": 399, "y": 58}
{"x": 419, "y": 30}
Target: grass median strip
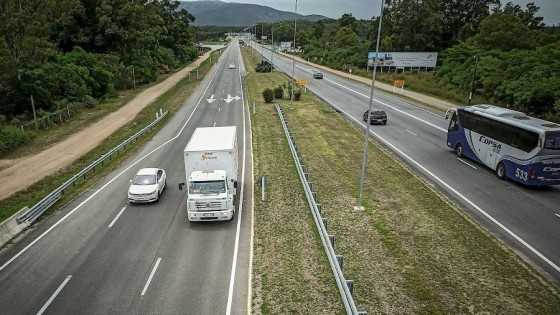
{"x": 291, "y": 274}
{"x": 411, "y": 252}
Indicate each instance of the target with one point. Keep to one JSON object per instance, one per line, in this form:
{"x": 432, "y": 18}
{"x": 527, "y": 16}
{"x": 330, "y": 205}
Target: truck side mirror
{"x": 181, "y": 186}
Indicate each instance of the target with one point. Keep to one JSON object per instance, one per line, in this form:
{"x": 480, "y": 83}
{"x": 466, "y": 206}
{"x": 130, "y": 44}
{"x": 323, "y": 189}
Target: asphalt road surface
{"x": 102, "y": 255}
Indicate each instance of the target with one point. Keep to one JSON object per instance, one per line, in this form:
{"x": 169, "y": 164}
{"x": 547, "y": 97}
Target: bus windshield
{"x": 552, "y": 140}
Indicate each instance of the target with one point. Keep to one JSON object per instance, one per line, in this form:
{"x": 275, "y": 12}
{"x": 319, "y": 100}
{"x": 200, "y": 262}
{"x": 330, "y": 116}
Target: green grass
{"x": 426, "y": 83}
{"x": 411, "y": 252}
{"x": 172, "y": 100}
{"x": 291, "y": 274}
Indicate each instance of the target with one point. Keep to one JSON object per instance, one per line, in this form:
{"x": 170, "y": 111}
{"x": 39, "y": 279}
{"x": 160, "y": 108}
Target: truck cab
{"x": 211, "y": 173}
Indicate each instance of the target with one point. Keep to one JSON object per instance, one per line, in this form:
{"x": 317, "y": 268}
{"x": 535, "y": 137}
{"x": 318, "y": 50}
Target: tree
{"x": 462, "y": 17}
{"x": 528, "y": 17}
{"x": 347, "y": 20}
{"x": 345, "y": 37}
{"x": 504, "y": 31}
{"x": 25, "y": 21}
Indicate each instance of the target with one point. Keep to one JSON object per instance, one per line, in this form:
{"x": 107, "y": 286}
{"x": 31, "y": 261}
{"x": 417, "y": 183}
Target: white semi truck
{"x": 211, "y": 173}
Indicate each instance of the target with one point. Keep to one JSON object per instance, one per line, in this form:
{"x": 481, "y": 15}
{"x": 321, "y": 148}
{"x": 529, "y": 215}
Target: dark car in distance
{"x": 376, "y": 116}
{"x": 317, "y": 75}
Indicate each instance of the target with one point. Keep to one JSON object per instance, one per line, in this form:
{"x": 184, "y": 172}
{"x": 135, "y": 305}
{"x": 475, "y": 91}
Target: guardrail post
{"x": 340, "y": 260}
{"x": 319, "y": 208}
{"x": 306, "y": 175}
{"x": 325, "y": 223}
{"x": 331, "y": 239}
{"x": 350, "y": 284}
{"x": 314, "y": 194}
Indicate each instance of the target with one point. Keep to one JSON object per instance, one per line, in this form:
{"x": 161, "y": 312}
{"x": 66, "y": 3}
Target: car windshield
{"x": 211, "y": 187}
{"x": 144, "y": 180}
{"x": 378, "y": 112}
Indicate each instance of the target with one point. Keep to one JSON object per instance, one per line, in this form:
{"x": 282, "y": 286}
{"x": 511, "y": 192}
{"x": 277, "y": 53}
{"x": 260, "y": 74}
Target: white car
{"x": 147, "y": 185}
{"x": 231, "y": 66}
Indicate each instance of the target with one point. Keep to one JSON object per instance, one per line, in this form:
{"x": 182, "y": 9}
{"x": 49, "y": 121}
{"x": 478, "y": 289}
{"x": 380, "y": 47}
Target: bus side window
{"x": 453, "y": 125}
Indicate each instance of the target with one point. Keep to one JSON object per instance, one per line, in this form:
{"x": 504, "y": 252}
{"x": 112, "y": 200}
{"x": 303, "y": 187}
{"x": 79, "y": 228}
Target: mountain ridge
{"x": 218, "y": 13}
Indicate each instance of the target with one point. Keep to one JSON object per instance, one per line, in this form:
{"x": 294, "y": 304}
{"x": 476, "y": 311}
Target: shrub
{"x": 268, "y": 95}
{"x": 278, "y": 92}
{"x": 297, "y": 95}
{"x": 12, "y": 137}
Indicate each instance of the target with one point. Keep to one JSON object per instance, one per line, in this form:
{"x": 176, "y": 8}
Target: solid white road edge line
{"x": 117, "y": 217}
{"x": 151, "y": 276}
{"x": 44, "y": 308}
{"x": 453, "y": 190}
{"x": 238, "y": 228}
{"x": 110, "y": 181}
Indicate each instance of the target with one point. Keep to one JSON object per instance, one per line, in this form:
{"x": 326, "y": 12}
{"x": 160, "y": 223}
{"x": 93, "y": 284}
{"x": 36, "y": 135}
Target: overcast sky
{"x": 365, "y": 9}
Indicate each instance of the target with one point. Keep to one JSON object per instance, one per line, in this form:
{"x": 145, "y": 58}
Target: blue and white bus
{"x": 516, "y": 146}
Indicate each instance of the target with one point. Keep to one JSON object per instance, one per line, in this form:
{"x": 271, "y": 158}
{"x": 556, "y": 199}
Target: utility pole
{"x": 294, "y": 59}
{"x": 473, "y": 76}
{"x": 272, "y": 49}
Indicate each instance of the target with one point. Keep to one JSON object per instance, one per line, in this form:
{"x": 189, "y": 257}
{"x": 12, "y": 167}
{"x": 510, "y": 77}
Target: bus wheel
{"x": 501, "y": 171}
{"x": 459, "y": 149}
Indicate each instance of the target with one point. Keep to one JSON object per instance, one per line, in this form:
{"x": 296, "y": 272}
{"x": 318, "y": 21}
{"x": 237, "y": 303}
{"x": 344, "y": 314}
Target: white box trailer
{"x": 210, "y": 160}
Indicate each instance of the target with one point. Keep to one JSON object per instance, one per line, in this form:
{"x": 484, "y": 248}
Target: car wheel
{"x": 385, "y": 122}
{"x": 501, "y": 171}
{"x": 165, "y": 184}
{"x": 459, "y": 149}
{"x": 157, "y": 198}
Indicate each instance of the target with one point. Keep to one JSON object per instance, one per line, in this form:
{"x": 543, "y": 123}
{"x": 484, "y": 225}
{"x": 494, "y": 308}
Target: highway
{"x": 526, "y": 219}
{"x": 102, "y": 255}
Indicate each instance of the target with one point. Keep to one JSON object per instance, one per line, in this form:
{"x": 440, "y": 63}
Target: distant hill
{"x": 218, "y": 13}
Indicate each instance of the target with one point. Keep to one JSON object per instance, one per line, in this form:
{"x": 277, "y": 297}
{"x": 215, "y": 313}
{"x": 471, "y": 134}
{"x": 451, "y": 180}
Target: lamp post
{"x": 272, "y": 49}
{"x": 294, "y": 58}
{"x": 359, "y": 207}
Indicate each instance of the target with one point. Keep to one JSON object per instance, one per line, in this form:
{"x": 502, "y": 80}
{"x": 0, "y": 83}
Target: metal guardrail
{"x": 39, "y": 208}
{"x": 345, "y": 287}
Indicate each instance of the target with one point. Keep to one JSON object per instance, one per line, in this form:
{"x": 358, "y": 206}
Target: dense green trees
{"x": 517, "y": 57}
{"x": 77, "y": 51}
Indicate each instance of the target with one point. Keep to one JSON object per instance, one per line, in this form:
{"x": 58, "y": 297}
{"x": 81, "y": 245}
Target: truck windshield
{"x": 210, "y": 187}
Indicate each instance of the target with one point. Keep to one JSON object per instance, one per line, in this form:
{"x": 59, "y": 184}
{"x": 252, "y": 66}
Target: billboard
{"x": 404, "y": 59}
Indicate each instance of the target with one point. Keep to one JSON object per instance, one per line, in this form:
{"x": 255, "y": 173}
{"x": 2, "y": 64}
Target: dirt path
{"x": 24, "y": 172}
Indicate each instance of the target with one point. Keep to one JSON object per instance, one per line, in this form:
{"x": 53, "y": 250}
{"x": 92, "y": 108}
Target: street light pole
{"x": 272, "y": 49}
{"x": 359, "y": 207}
{"x": 294, "y": 58}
